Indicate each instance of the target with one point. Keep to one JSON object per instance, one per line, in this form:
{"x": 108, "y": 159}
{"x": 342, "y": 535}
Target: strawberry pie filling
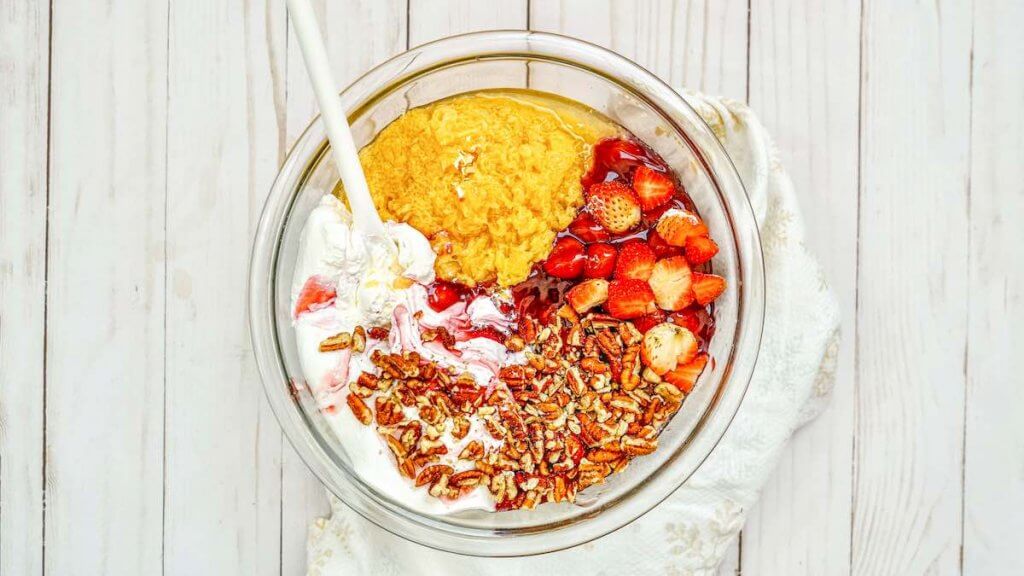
{"x": 449, "y": 397}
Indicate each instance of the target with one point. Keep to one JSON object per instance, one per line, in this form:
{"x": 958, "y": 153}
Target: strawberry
{"x": 566, "y": 259}
{"x": 636, "y": 260}
{"x": 618, "y": 155}
{"x": 614, "y": 206}
{"x": 628, "y": 299}
{"x": 600, "y": 261}
{"x": 645, "y": 323}
{"x": 587, "y": 229}
{"x": 700, "y": 249}
{"x": 694, "y": 318}
{"x": 685, "y": 376}
{"x": 652, "y": 188}
{"x": 441, "y": 294}
{"x": 661, "y": 248}
{"x": 316, "y": 293}
{"x": 666, "y": 345}
{"x": 670, "y": 281}
{"x": 587, "y": 294}
{"x": 676, "y": 226}
{"x": 707, "y": 287}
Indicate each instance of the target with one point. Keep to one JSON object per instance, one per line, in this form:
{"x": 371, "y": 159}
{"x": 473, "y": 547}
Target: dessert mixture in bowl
{"x": 559, "y": 321}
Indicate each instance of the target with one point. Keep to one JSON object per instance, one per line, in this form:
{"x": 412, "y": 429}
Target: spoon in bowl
{"x": 343, "y": 147}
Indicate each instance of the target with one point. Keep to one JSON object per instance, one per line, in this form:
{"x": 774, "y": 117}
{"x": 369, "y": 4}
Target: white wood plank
{"x": 24, "y": 59}
{"x": 105, "y": 336}
{"x": 696, "y": 45}
{"x": 433, "y": 19}
{"x": 804, "y": 85}
{"x": 993, "y": 477}
{"x": 226, "y": 135}
{"x": 358, "y": 35}
{"x": 912, "y": 315}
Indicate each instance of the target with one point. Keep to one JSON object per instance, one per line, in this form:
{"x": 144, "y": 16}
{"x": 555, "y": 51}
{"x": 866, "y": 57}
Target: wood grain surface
{"x": 138, "y": 140}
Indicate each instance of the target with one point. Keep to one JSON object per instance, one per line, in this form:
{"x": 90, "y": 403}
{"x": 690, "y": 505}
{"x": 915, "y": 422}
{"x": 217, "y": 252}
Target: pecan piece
{"x": 467, "y": 478}
{"x": 389, "y": 412}
{"x": 473, "y": 451}
{"x": 593, "y": 365}
{"x": 638, "y": 446}
{"x": 359, "y": 339}
{"x": 432, "y": 474}
{"x": 339, "y": 341}
{"x": 359, "y": 409}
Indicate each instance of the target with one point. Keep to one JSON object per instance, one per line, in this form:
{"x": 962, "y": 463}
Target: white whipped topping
{"x": 371, "y": 278}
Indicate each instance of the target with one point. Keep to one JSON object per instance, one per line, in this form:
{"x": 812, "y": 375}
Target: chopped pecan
{"x": 388, "y": 411}
{"x": 473, "y": 451}
{"x": 339, "y": 341}
{"x": 359, "y": 339}
{"x": 431, "y": 474}
{"x": 467, "y": 479}
{"x": 359, "y": 409}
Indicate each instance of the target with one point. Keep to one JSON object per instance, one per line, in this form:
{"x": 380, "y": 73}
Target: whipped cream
{"x": 380, "y": 282}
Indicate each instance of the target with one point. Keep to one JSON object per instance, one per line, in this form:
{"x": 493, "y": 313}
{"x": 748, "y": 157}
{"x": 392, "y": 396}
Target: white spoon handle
{"x": 343, "y": 147}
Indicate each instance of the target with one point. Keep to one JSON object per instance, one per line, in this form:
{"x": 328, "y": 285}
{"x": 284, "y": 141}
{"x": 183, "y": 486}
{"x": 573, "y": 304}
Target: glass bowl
{"x": 645, "y": 106}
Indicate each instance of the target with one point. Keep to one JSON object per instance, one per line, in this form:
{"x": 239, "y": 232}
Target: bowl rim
{"x": 264, "y": 329}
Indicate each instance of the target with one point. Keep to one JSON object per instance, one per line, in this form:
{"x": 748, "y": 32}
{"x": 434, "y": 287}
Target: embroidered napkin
{"x": 691, "y": 530}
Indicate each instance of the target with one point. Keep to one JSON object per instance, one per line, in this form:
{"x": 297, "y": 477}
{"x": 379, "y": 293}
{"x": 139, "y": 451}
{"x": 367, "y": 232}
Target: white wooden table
{"x": 138, "y": 140}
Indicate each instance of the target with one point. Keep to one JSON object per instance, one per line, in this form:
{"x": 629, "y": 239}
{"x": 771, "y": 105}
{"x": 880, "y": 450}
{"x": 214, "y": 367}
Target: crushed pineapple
{"x": 488, "y": 177}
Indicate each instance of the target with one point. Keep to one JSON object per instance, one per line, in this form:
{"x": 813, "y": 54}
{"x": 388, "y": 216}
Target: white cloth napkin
{"x": 691, "y": 530}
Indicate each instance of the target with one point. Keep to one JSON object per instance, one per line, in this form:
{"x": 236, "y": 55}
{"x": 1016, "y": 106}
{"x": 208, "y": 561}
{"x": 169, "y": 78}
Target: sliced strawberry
{"x": 700, "y": 249}
{"x": 566, "y": 259}
{"x": 694, "y": 318}
{"x": 628, "y": 299}
{"x": 685, "y": 376}
{"x": 636, "y": 260}
{"x": 666, "y": 345}
{"x": 707, "y": 287}
{"x": 600, "y": 260}
{"x": 670, "y": 281}
{"x": 614, "y": 206}
{"x": 652, "y": 188}
{"x": 676, "y": 226}
{"x": 587, "y": 229}
{"x": 618, "y": 155}
{"x": 316, "y": 293}
{"x": 645, "y": 323}
{"x": 661, "y": 248}
{"x": 587, "y": 294}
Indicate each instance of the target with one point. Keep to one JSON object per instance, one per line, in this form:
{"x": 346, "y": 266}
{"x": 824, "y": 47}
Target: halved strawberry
{"x": 636, "y": 260}
{"x": 645, "y": 323}
{"x": 670, "y": 281}
{"x": 614, "y": 206}
{"x": 652, "y": 188}
{"x": 628, "y": 299}
{"x": 661, "y": 248}
{"x": 600, "y": 260}
{"x": 316, "y": 293}
{"x": 587, "y": 294}
{"x": 685, "y": 376}
{"x": 587, "y": 229}
{"x": 566, "y": 259}
{"x": 676, "y": 226}
{"x": 707, "y": 287}
{"x": 700, "y": 249}
{"x": 666, "y": 346}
